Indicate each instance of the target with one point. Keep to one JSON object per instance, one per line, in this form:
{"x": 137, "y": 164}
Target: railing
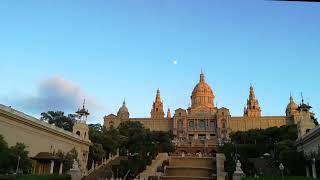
{"x": 104, "y": 162}
{"x": 152, "y": 169}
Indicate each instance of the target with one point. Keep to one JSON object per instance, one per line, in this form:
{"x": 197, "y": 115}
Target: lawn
{"x": 279, "y": 178}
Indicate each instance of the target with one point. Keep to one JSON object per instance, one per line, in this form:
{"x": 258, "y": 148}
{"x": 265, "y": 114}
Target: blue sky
{"x": 54, "y": 53}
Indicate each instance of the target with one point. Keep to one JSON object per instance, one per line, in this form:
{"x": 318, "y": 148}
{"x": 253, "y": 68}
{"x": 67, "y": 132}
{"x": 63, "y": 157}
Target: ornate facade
{"x": 203, "y": 125}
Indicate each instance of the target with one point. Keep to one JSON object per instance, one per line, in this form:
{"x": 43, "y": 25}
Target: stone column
{"x": 196, "y": 136}
{"x": 34, "y": 168}
{"x": 61, "y": 167}
{"x": 51, "y": 167}
{"x": 307, "y": 171}
{"x": 92, "y": 165}
{"x": 40, "y": 168}
{"x": 314, "y": 172}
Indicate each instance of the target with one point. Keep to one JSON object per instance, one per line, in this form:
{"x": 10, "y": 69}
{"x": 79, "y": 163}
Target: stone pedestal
{"x": 237, "y": 176}
{"x": 307, "y": 171}
{"x": 313, "y": 166}
{"x": 75, "y": 171}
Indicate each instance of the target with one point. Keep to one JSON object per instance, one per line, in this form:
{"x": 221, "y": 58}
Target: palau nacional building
{"x": 199, "y": 128}
{"x": 203, "y": 126}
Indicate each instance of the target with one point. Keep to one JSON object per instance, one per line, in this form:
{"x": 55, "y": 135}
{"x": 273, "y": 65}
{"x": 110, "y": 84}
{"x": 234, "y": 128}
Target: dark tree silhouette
{"x": 59, "y": 119}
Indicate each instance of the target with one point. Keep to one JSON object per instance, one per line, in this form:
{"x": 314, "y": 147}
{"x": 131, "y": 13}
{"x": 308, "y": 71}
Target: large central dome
{"x": 202, "y": 96}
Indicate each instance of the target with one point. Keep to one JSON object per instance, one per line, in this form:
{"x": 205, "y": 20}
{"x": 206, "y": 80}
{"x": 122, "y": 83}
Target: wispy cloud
{"x": 55, "y": 93}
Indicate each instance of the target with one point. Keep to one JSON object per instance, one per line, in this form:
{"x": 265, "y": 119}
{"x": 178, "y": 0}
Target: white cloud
{"x": 56, "y": 93}
{"x": 175, "y": 62}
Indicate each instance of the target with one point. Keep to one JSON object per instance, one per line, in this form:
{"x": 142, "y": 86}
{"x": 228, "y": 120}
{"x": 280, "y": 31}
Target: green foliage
{"x": 36, "y": 177}
{"x": 279, "y": 178}
{"x": 4, "y": 155}
{"x": 9, "y": 157}
{"x": 19, "y": 150}
{"x": 130, "y": 137}
{"x": 229, "y": 164}
{"x": 315, "y": 120}
{"x": 3, "y": 143}
{"x": 97, "y": 152}
{"x": 267, "y": 136}
{"x": 109, "y": 139}
{"x": 254, "y": 143}
{"x": 59, "y": 119}
{"x": 68, "y": 158}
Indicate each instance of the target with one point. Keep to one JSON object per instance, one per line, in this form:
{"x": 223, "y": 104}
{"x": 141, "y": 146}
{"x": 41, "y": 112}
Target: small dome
{"x": 202, "y": 95}
{"x": 123, "y": 111}
{"x": 292, "y": 105}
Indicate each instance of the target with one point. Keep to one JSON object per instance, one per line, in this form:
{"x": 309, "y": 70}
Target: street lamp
{"x": 281, "y": 167}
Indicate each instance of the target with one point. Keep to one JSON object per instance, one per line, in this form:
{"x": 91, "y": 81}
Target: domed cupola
{"x": 123, "y": 112}
{"x": 202, "y": 96}
{"x": 291, "y": 107}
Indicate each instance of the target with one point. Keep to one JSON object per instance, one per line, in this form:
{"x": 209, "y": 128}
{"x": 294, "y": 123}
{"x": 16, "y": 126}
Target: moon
{"x": 175, "y": 62}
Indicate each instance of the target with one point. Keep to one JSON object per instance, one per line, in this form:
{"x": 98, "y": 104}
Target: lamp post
{"x": 281, "y": 167}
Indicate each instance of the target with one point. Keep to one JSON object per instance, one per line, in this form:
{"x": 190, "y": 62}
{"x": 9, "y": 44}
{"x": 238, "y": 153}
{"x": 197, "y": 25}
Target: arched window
{"x": 180, "y": 124}
{"x": 78, "y": 133}
{"x": 191, "y": 125}
{"x": 212, "y": 125}
{"x": 85, "y": 135}
{"x": 202, "y": 125}
{"x": 223, "y": 122}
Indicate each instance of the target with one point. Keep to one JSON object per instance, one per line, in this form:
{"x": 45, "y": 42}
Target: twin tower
{"x": 156, "y": 111}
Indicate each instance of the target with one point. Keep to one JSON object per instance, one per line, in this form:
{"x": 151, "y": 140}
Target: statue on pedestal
{"x": 75, "y": 171}
{"x": 238, "y": 173}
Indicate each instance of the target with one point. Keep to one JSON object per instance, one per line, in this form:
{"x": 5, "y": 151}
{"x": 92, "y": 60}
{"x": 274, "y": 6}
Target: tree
{"x": 9, "y": 157}
{"x": 315, "y": 120}
{"x": 68, "y": 158}
{"x": 19, "y": 151}
{"x": 276, "y": 140}
{"x": 97, "y": 151}
{"x": 109, "y": 139}
{"x": 142, "y": 144}
{"x": 59, "y": 119}
{"x": 4, "y": 154}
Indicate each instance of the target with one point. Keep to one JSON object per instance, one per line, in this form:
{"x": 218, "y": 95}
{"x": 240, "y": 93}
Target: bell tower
{"x": 168, "y": 113}
{"x": 157, "y": 107}
{"x": 253, "y": 108}
{"x": 80, "y": 127}
{"x": 304, "y": 118}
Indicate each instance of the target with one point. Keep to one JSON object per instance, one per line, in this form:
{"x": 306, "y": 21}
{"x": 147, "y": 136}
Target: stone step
{"x": 186, "y": 178}
{"x": 188, "y": 171}
{"x": 192, "y": 161}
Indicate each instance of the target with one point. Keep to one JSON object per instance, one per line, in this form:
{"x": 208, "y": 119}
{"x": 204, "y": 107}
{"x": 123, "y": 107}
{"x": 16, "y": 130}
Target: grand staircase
{"x": 190, "y": 168}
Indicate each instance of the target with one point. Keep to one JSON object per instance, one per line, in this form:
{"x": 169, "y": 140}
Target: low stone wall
{"x": 221, "y": 174}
